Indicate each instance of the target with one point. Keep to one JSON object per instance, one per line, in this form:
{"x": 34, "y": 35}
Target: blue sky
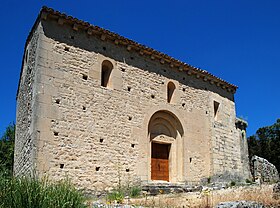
{"x": 237, "y": 40}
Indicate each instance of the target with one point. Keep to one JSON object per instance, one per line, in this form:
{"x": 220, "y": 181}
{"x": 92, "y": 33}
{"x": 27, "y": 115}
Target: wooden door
{"x": 160, "y": 162}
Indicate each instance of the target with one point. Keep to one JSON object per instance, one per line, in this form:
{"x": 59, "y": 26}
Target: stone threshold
{"x": 163, "y": 187}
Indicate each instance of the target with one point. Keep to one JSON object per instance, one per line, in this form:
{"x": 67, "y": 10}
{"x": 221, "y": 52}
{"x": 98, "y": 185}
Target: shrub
{"x": 34, "y": 193}
{"x": 232, "y": 183}
{"x": 116, "y": 195}
{"x": 135, "y": 191}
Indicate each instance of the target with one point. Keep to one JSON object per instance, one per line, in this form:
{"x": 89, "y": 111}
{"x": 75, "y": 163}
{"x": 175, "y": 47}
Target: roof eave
{"x": 104, "y": 34}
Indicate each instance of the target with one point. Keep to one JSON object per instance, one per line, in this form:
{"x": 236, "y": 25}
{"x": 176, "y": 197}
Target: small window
{"x": 26, "y": 55}
{"x": 170, "y": 91}
{"x": 243, "y": 135}
{"x": 106, "y": 70}
{"x": 57, "y": 101}
{"x": 216, "y": 109}
{"x": 85, "y": 77}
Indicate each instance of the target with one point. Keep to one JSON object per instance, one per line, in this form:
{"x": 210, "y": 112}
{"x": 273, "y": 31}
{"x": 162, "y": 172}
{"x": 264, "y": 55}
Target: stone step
{"x": 169, "y": 188}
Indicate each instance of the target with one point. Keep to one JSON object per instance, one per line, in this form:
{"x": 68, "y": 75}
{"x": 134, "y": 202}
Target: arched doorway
{"x": 165, "y": 137}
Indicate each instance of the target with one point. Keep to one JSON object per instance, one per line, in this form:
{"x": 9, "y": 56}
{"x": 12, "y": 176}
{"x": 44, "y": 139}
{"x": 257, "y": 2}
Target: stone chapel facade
{"x": 103, "y": 109}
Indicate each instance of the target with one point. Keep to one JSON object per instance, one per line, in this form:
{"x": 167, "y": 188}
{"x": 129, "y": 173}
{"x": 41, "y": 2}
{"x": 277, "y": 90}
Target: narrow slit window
{"x": 170, "y": 91}
{"x": 106, "y": 71}
{"x": 26, "y": 55}
{"x": 216, "y": 109}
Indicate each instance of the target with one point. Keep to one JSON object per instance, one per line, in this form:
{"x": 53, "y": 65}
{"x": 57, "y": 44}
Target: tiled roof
{"x": 104, "y": 34}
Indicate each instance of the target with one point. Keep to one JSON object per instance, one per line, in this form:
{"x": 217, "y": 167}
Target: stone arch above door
{"x": 165, "y": 123}
{"x": 165, "y": 133}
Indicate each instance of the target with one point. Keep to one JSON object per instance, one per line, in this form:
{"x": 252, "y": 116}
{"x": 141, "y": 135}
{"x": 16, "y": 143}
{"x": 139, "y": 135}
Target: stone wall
{"x": 99, "y": 136}
{"x": 230, "y": 154}
{"x": 25, "y": 142}
{"x": 263, "y": 171}
{"x": 226, "y": 146}
{"x": 241, "y": 125}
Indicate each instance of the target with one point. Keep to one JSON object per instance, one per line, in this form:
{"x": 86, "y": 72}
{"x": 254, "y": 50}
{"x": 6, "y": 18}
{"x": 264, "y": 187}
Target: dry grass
{"x": 263, "y": 194}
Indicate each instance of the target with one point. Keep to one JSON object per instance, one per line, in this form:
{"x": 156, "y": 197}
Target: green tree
{"x": 266, "y": 143}
{"x": 7, "y": 143}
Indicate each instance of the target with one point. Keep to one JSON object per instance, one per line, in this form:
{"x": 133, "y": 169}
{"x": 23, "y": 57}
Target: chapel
{"x": 102, "y": 109}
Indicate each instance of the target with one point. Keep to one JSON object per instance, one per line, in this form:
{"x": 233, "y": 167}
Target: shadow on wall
{"x": 80, "y": 39}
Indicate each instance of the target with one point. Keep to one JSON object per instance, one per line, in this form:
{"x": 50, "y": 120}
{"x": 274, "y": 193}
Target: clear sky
{"x": 237, "y": 40}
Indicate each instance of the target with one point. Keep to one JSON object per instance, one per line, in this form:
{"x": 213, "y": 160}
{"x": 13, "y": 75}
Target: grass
{"x": 135, "y": 191}
{"x": 34, "y": 193}
{"x": 116, "y": 195}
{"x": 119, "y": 194}
{"x": 248, "y": 181}
{"x": 263, "y": 194}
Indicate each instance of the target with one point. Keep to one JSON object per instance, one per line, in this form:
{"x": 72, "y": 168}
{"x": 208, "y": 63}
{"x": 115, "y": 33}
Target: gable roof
{"x": 143, "y": 50}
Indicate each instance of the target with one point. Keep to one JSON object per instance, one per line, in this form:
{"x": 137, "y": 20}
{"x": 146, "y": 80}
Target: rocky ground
{"x": 235, "y": 204}
{"x": 255, "y": 196}
{"x": 240, "y": 204}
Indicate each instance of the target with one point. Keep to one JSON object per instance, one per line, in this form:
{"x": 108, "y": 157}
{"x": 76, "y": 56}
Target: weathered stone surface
{"x": 264, "y": 171}
{"x": 276, "y": 188}
{"x": 25, "y": 147}
{"x": 239, "y": 204}
{"x": 276, "y": 191}
{"x": 69, "y": 123}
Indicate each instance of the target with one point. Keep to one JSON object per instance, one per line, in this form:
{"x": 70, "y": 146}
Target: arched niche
{"x": 170, "y": 91}
{"x": 106, "y": 70}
